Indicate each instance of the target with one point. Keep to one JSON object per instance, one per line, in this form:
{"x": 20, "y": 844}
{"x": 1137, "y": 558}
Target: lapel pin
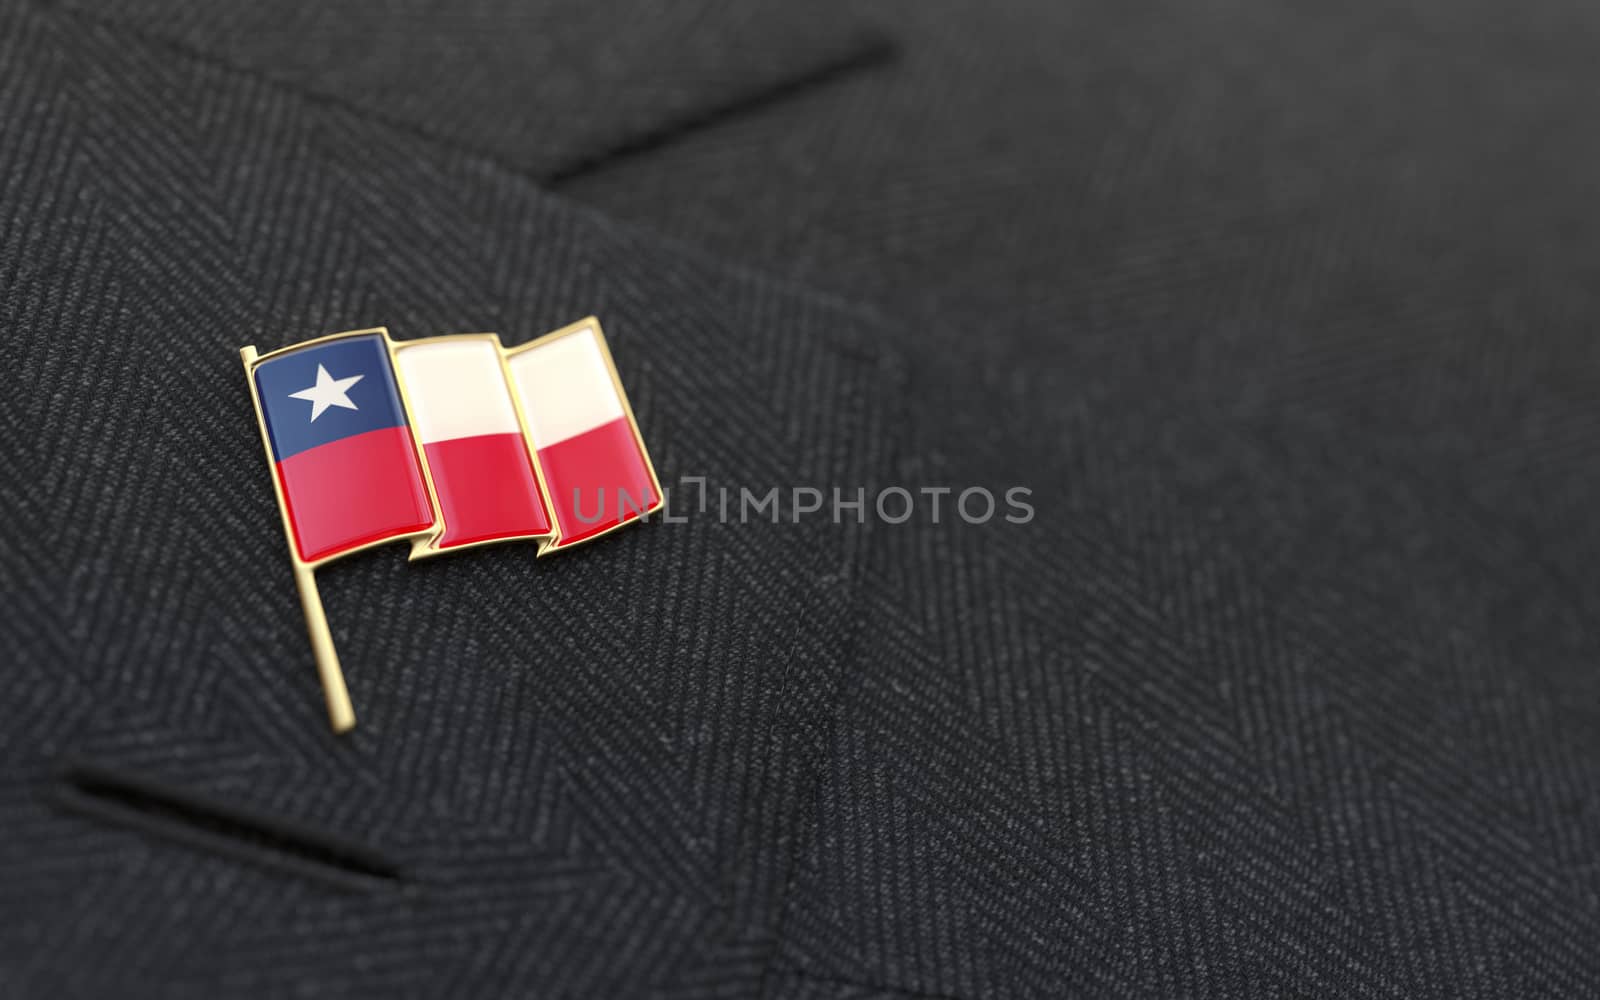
{"x": 449, "y": 442}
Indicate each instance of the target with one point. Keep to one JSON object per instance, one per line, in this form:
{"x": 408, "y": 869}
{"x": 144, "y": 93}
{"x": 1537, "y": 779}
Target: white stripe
{"x": 456, "y": 389}
{"x": 565, "y": 387}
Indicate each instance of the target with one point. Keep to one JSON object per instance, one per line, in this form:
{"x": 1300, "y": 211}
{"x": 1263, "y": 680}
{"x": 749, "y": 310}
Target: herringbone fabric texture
{"x": 586, "y": 796}
{"x": 1289, "y": 311}
{"x": 1289, "y": 690}
{"x": 547, "y": 87}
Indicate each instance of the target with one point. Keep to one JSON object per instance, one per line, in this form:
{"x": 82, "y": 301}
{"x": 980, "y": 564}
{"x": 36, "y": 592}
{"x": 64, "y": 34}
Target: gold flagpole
{"x": 341, "y": 714}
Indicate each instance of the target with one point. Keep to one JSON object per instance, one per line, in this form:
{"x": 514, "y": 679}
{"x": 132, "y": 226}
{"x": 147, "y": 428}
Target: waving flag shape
{"x": 583, "y": 432}
{"x": 465, "y": 419}
{"x": 342, "y": 450}
{"x": 469, "y": 444}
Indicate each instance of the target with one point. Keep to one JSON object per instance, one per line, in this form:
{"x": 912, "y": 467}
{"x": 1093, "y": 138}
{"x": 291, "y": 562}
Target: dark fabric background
{"x": 1284, "y": 312}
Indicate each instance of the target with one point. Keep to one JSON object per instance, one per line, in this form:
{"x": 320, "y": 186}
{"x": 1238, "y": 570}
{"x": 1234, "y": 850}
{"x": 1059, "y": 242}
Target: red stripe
{"x": 358, "y": 489}
{"x": 597, "y": 480}
{"x": 486, "y": 489}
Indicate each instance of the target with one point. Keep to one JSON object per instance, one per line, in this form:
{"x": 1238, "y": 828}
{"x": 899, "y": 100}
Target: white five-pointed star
{"x": 328, "y": 391}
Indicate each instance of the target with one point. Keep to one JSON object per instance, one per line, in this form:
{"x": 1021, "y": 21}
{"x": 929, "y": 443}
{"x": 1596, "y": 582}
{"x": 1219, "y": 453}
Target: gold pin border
{"x": 341, "y": 713}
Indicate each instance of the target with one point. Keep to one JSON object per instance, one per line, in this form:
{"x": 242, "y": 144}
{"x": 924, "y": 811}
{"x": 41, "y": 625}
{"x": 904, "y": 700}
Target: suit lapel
{"x": 637, "y": 724}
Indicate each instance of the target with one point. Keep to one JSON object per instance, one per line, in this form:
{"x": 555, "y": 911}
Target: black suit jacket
{"x": 1284, "y": 316}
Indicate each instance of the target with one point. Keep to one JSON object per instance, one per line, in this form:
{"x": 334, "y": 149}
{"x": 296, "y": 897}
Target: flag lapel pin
{"x": 449, "y": 442}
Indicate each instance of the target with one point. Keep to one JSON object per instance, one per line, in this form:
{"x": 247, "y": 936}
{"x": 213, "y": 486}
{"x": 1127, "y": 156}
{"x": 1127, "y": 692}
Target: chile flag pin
{"x": 450, "y": 442}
